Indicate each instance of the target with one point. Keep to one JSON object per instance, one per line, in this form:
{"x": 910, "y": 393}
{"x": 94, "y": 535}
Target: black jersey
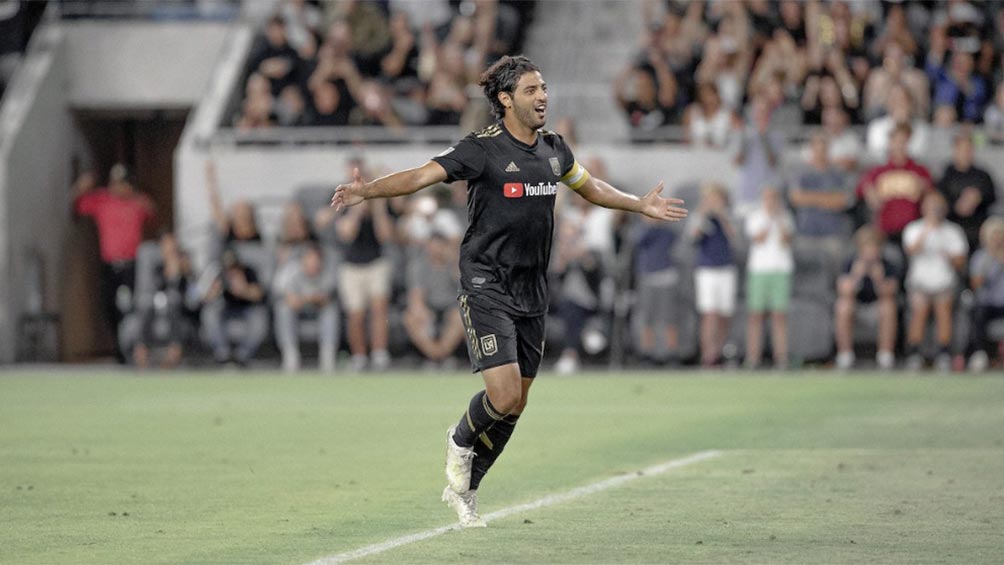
{"x": 510, "y": 207}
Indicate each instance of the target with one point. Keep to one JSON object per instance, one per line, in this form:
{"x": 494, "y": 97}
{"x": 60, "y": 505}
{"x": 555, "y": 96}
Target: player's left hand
{"x": 348, "y": 195}
{"x": 655, "y": 206}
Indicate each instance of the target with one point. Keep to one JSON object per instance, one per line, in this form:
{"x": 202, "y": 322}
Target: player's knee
{"x": 508, "y": 400}
{"x": 520, "y": 406}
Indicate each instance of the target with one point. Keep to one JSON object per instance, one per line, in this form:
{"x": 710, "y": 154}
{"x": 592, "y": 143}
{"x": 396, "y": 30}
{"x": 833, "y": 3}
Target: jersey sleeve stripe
{"x": 576, "y": 176}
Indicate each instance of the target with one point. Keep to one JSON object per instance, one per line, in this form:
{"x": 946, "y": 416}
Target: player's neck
{"x": 518, "y": 130}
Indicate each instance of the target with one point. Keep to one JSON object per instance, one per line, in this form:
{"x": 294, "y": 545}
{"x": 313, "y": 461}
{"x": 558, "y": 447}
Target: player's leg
{"x": 501, "y": 396}
{"x": 491, "y": 443}
{"x": 530, "y": 352}
{"x": 491, "y": 343}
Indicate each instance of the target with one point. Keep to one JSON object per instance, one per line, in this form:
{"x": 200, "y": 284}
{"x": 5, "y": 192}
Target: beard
{"x": 527, "y": 116}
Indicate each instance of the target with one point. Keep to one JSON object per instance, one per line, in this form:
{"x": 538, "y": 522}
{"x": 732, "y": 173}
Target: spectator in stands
{"x": 715, "y": 272}
{"x": 370, "y": 32}
{"x": 986, "y": 276}
{"x": 679, "y": 36}
{"x": 708, "y": 122}
{"x": 957, "y": 84}
{"x": 256, "y": 110}
{"x": 431, "y": 318}
{"x": 579, "y": 268}
{"x": 168, "y": 307}
{"x": 332, "y": 103}
{"x": 895, "y": 69}
{"x": 993, "y": 117}
{"x": 446, "y": 97}
{"x": 647, "y": 93}
{"x": 895, "y": 32}
{"x": 305, "y": 291}
{"x": 239, "y": 225}
{"x": 779, "y": 72}
{"x": 823, "y": 92}
{"x": 900, "y": 110}
{"x": 295, "y": 236}
{"x": 756, "y": 150}
{"x": 273, "y": 57}
{"x": 291, "y": 108}
{"x": 302, "y": 20}
{"x": 400, "y": 64}
{"x": 120, "y": 214}
{"x": 769, "y": 229}
{"x": 937, "y": 249}
{"x": 944, "y": 128}
{"x": 821, "y": 194}
{"x": 845, "y": 147}
{"x": 868, "y": 279}
{"x": 234, "y": 294}
{"x": 892, "y": 192}
{"x": 726, "y": 59}
{"x": 364, "y": 278}
{"x": 656, "y": 279}
{"x": 968, "y": 189}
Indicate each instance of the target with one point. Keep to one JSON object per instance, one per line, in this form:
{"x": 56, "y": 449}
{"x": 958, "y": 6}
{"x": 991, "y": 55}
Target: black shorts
{"x": 496, "y": 337}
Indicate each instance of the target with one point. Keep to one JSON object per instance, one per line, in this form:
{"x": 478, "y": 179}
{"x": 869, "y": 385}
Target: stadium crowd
{"x": 392, "y": 64}
{"x": 861, "y": 225}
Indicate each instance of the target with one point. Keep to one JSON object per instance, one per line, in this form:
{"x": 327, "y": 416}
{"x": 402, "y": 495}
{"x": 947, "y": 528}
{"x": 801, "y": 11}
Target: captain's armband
{"x": 576, "y": 176}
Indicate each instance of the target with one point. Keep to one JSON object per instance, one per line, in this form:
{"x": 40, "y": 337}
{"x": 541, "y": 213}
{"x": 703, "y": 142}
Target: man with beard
{"x": 513, "y": 168}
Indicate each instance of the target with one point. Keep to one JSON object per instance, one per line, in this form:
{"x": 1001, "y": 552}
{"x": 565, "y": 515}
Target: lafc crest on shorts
{"x": 489, "y": 345}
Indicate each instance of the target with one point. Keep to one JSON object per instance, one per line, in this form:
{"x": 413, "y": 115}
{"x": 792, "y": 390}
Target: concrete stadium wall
{"x": 140, "y": 65}
{"x": 34, "y": 181}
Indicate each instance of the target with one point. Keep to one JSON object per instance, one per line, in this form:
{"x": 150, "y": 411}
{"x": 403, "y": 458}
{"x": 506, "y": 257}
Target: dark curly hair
{"x": 502, "y": 77}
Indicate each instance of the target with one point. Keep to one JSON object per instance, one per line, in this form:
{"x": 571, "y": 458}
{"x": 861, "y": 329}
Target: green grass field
{"x": 269, "y": 469}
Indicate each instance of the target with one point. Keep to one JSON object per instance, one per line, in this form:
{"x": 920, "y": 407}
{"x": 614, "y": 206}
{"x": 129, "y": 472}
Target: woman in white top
{"x": 937, "y": 250}
{"x": 707, "y": 121}
{"x": 769, "y": 270}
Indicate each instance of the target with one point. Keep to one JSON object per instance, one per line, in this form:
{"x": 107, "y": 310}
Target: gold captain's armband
{"x": 576, "y": 176}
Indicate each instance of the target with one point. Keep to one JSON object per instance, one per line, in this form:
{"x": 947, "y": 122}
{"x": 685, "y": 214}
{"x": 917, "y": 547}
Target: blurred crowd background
{"x": 860, "y": 230}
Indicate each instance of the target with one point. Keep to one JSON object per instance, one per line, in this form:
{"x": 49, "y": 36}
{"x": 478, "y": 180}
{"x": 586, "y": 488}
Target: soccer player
{"x": 513, "y": 168}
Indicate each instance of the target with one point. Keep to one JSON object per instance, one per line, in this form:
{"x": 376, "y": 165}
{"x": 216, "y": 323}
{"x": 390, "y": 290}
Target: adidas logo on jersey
{"x": 512, "y": 168}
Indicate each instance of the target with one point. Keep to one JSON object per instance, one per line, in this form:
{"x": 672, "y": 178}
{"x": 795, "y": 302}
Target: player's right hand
{"x": 348, "y": 195}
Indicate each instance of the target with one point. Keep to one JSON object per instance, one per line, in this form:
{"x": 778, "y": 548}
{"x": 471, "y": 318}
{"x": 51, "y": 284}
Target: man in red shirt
{"x": 893, "y": 191}
{"x": 120, "y": 214}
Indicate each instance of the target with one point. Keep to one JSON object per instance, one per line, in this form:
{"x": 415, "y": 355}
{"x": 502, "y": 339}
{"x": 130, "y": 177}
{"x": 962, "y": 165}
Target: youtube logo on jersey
{"x": 513, "y": 190}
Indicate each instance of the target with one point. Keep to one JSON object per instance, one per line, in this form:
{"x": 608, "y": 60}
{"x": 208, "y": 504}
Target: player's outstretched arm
{"x": 652, "y": 204}
{"x": 395, "y": 184}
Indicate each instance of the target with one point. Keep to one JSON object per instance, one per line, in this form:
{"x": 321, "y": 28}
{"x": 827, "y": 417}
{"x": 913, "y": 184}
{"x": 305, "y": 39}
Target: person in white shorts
{"x": 715, "y": 272}
{"x": 937, "y": 250}
{"x": 364, "y": 280}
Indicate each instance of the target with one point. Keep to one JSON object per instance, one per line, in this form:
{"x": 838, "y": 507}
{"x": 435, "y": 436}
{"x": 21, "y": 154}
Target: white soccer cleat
{"x": 466, "y": 506}
{"x": 458, "y": 464}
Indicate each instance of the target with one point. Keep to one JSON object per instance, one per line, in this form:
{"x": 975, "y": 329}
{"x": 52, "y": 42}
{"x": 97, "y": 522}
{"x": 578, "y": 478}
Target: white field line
{"x": 549, "y": 500}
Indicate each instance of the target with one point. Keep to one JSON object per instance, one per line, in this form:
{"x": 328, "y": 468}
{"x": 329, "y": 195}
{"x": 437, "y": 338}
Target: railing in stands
{"x": 343, "y": 135}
